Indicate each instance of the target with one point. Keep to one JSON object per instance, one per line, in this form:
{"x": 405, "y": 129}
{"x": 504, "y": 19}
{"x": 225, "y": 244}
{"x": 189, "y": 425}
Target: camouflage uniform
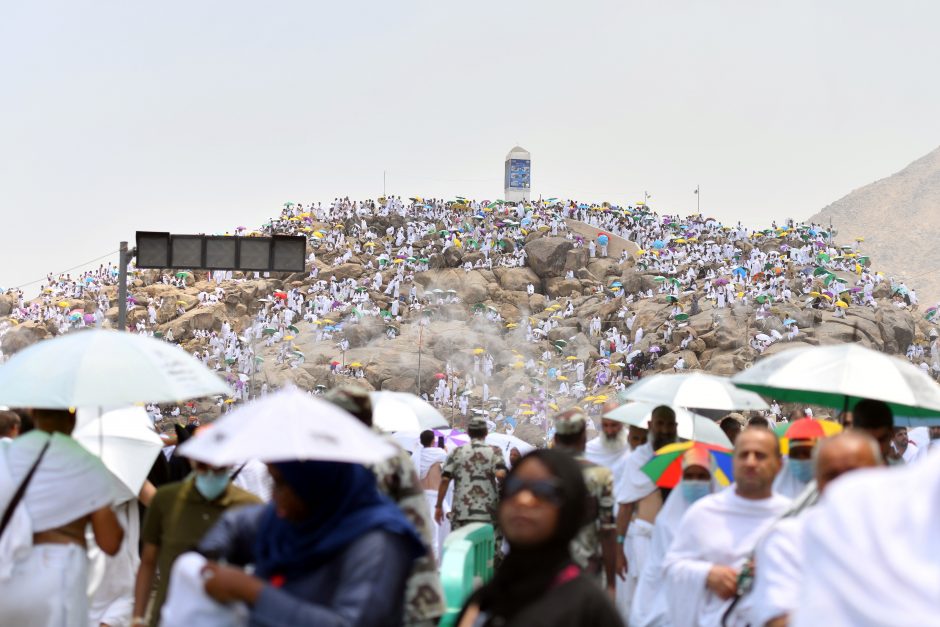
{"x": 396, "y": 477}
{"x": 586, "y": 549}
{"x": 473, "y": 468}
{"x": 424, "y": 595}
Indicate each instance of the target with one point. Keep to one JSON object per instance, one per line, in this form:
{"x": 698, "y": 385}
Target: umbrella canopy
{"x": 402, "y": 411}
{"x": 689, "y": 425}
{"x": 452, "y": 437}
{"x": 98, "y": 368}
{"x": 695, "y": 389}
{"x": 125, "y": 442}
{"x": 665, "y": 469}
{"x": 805, "y": 429}
{"x": 285, "y": 426}
{"x": 841, "y": 375}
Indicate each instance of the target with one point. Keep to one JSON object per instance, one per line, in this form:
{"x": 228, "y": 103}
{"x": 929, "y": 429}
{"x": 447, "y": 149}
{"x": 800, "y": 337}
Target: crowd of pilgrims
{"x": 582, "y": 535}
{"x": 700, "y": 265}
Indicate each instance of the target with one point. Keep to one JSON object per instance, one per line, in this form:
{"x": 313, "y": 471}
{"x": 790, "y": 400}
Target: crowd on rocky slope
{"x": 510, "y": 311}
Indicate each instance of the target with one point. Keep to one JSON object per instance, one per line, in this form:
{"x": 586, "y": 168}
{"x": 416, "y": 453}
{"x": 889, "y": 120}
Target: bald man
{"x": 716, "y": 536}
{"x": 872, "y": 544}
{"x": 779, "y": 556}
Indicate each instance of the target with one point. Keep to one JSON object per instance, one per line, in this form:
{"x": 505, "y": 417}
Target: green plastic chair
{"x": 467, "y": 564}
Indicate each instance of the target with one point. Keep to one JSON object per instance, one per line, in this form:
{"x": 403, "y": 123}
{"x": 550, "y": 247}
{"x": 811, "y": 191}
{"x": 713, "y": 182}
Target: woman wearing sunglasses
{"x": 544, "y": 504}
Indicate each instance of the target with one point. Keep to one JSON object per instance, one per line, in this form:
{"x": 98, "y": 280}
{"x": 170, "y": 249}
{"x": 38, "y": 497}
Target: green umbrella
{"x": 764, "y": 298}
{"x": 659, "y": 279}
{"x": 682, "y": 317}
{"x": 182, "y": 275}
{"x": 268, "y": 331}
{"x": 293, "y": 329}
{"x": 424, "y": 260}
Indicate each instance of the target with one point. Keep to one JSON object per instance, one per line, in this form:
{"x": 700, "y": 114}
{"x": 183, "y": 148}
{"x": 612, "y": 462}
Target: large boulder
{"x": 21, "y": 336}
{"x": 558, "y": 287}
{"x": 547, "y": 256}
{"x": 518, "y": 279}
{"x": 897, "y": 329}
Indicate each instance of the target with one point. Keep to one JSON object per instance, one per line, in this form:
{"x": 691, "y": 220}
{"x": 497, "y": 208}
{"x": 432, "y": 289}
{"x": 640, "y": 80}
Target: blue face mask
{"x": 211, "y": 485}
{"x": 801, "y": 469}
{"x": 694, "y": 489}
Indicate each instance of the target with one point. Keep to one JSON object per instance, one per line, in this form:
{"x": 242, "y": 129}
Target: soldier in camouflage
{"x": 475, "y": 468}
{"x": 396, "y": 477}
{"x": 594, "y": 549}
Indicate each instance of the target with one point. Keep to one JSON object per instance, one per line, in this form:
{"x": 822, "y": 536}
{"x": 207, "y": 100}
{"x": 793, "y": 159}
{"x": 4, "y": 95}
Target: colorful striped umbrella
{"x": 665, "y": 469}
{"x": 805, "y": 429}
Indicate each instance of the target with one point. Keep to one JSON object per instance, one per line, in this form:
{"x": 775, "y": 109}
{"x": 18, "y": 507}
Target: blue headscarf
{"x": 343, "y": 504}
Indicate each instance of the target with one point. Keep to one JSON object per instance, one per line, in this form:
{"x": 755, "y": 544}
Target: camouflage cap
{"x": 571, "y": 422}
{"x": 477, "y": 423}
{"x": 353, "y": 399}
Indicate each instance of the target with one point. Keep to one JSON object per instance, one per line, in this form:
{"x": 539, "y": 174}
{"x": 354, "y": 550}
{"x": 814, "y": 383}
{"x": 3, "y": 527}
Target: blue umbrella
{"x": 789, "y": 321}
{"x": 739, "y": 271}
{"x": 602, "y": 240}
{"x": 659, "y": 244}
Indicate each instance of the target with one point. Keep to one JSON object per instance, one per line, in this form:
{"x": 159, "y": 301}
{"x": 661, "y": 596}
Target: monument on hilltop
{"x": 518, "y": 181}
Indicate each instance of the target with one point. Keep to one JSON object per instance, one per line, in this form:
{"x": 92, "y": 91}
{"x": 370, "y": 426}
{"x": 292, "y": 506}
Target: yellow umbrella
{"x": 369, "y": 244}
{"x": 511, "y": 325}
{"x": 528, "y": 412}
{"x": 64, "y": 304}
{"x": 842, "y": 304}
{"x": 571, "y": 358}
{"x": 479, "y": 351}
{"x": 288, "y": 337}
{"x": 524, "y": 405}
{"x": 599, "y": 402}
{"x": 641, "y": 252}
{"x": 518, "y": 365}
{"x": 399, "y": 261}
{"x": 562, "y": 377}
{"x": 355, "y": 364}
{"x": 859, "y": 239}
{"x": 553, "y": 406}
{"x": 328, "y": 321}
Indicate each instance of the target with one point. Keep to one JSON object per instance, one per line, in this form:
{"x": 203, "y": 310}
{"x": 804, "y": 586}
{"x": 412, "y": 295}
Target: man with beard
{"x": 640, "y": 500}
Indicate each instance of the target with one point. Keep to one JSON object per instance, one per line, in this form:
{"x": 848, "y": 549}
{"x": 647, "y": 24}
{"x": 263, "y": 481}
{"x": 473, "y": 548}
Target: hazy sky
{"x": 205, "y": 115}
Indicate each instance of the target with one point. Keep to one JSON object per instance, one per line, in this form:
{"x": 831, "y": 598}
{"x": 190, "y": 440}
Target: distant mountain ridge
{"x": 899, "y": 217}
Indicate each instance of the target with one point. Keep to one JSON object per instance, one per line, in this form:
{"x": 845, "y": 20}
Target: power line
{"x": 81, "y": 265}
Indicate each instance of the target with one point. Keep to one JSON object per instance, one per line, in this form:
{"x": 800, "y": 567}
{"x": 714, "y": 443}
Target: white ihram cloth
{"x": 111, "y": 577}
{"x": 649, "y": 607}
{"x": 778, "y": 571}
{"x": 602, "y": 454}
{"x": 872, "y": 550}
{"x": 46, "y": 584}
{"x": 424, "y": 458}
{"x": 630, "y": 486}
{"x": 187, "y": 603}
{"x": 720, "y": 529}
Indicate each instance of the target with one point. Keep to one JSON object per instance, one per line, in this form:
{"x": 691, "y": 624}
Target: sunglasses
{"x": 544, "y": 489}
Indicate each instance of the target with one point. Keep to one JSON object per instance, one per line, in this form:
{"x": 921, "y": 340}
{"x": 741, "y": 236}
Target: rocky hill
{"x": 504, "y": 308}
{"x": 899, "y": 218}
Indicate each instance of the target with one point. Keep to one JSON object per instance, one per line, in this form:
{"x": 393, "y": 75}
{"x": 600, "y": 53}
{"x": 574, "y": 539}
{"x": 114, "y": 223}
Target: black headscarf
{"x": 528, "y": 572}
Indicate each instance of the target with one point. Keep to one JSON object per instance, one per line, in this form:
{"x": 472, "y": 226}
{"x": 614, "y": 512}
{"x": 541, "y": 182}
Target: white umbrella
{"x": 689, "y": 425}
{"x": 125, "y": 442}
{"x": 694, "y": 389}
{"x": 97, "y": 368}
{"x": 401, "y": 411}
{"x": 285, "y": 426}
{"x": 840, "y": 375}
{"x": 506, "y": 442}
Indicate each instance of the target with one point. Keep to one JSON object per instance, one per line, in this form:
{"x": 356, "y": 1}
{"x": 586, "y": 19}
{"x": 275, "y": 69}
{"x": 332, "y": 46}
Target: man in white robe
{"x": 639, "y": 502}
{"x": 779, "y": 557}
{"x": 43, "y": 561}
{"x": 649, "y": 607}
{"x": 718, "y": 533}
{"x": 884, "y": 554}
{"x": 429, "y": 462}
